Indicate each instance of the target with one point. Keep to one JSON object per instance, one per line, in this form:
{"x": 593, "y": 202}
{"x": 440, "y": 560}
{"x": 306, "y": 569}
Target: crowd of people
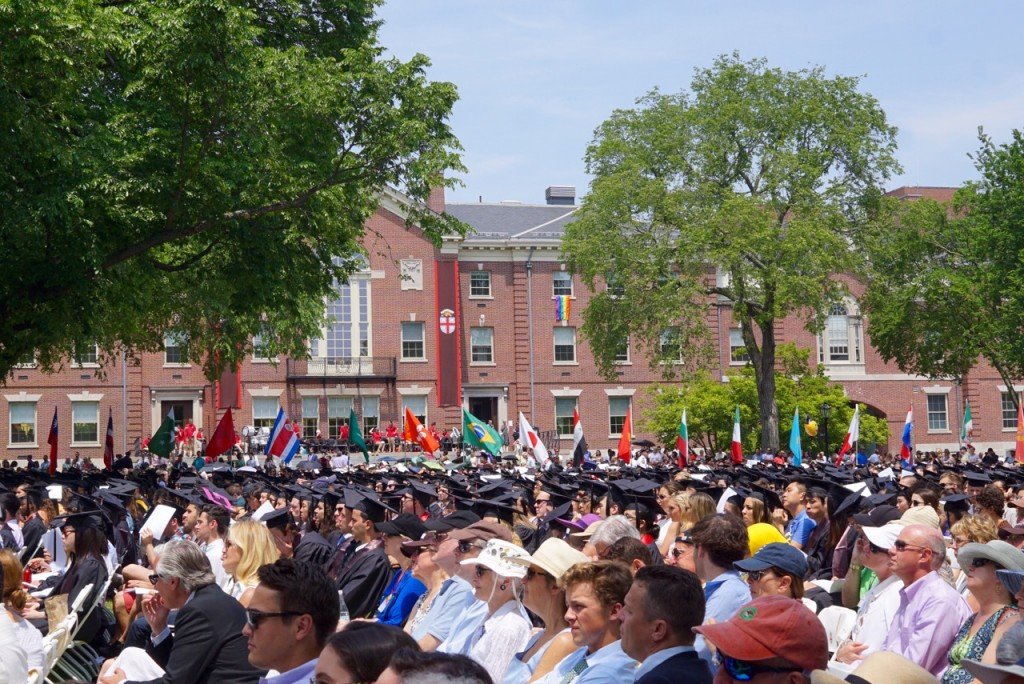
{"x": 400, "y": 572}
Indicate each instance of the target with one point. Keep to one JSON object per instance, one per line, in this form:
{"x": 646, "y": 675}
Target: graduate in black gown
{"x": 366, "y": 571}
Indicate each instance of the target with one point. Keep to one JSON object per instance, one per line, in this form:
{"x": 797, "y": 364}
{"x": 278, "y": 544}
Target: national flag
{"x": 852, "y": 435}
{"x": 967, "y": 426}
{"x": 626, "y": 438}
{"x": 162, "y": 441}
{"x": 737, "y": 442}
{"x": 355, "y": 435}
{"x": 52, "y": 440}
{"x": 283, "y": 441}
{"x": 529, "y": 438}
{"x": 683, "y": 443}
{"x": 794, "y": 439}
{"x": 415, "y": 432}
{"x": 479, "y": 435}
{"x": 1018, "y": 452}
{"x": 223, "y": 437}
{"x": 108, "y": 443}
{"x": 563, "y": 306}
{"x": 579, "y": 442}
{"x": 906, "y": 447}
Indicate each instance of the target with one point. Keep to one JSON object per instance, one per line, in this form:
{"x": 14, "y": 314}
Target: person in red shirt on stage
{"x": 391, "y": 434}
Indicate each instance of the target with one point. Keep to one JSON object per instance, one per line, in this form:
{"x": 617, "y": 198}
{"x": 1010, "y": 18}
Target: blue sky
{"x": 536, "y": 78}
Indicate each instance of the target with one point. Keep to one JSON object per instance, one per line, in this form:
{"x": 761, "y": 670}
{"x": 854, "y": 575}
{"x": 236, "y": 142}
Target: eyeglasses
{"x": 876, "y": 549}
{"x": 480, "y": 571}
{"x": 465, "y": 546}
{"x": 756, "y": 575}
{"x": 743, "y": 671}
{"x": 546, "y": 502}
{"x": 901, "y": 545}
{"x": 154, "y": 578}
{"x": 253, "y": 618}
{"x": 531, "y": 573}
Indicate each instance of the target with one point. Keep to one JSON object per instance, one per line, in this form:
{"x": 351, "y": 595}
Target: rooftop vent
{"x": 564, "y": 195}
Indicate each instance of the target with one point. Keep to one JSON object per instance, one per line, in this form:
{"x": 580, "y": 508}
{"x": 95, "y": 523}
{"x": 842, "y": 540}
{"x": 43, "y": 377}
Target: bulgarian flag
{"x": 683, "y": 442}
{"x": 967, "y": 427}
{"x": 737, "y": 443}
{"x": 625, "y": 439}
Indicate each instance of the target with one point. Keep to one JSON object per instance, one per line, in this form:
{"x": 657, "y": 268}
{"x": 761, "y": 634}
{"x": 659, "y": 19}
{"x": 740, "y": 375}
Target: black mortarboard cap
{"x": 278, "y": 519}
{"x": 456, "y": 521}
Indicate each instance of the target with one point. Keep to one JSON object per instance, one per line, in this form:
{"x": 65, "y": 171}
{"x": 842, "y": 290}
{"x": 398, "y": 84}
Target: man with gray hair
{"x": 614, "y": 528}
{"x": 207, "y": 644}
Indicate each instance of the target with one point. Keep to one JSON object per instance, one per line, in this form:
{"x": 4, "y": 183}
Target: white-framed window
{"x": 670, "y": 345}
{"x": 737, "y": 347}
{"x": 417, "y": 403}
{"x": 264, "y": 411}
{"x": 27, "y": 361}
{"x": 310, "y": 416}
{"x": 617, "y": 408}
{"x": 338, "y": 411}
{"x": 22, "y": 422}
{"x": 480, "y": 284}
{"x": 87, "y": 355}
{"x": 562, "y": 284}
{"x": 481, "y": 345}
{"x": 175, "y": 349}
{"x": 841, "y": 340}
{"x": 85, "y": 422}
{"x": 938, "y": 415}
{"x": 349, "y": 315}
{"x": 565, "y": 345}
{"x": 1009, "y": 411}
{"x": 622, "y": 356}
{"x": 413, "y": 346}
{"x": 259, "y": 350}
{"x": 371, "y": 415}
{"x": 564, "y": 406}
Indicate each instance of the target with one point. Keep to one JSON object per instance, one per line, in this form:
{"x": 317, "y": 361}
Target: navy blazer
{"x": 682, "y": 667}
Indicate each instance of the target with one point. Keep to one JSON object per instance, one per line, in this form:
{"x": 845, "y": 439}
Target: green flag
{"x": 162, "y": 442}
{"x": 479, "y": 434}
{"x": 355, "y": 435}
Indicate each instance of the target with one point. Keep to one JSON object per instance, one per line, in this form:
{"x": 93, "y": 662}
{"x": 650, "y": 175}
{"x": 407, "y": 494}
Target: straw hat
{"x": 881, "y": 667}
{"x": 554, "y": 557}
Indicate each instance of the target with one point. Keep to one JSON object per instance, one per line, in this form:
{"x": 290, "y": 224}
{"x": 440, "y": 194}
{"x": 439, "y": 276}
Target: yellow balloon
{"x": 811, "y": 428}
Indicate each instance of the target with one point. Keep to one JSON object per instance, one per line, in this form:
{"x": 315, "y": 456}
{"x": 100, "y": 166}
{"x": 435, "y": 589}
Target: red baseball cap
{"x": 772, "y": 627}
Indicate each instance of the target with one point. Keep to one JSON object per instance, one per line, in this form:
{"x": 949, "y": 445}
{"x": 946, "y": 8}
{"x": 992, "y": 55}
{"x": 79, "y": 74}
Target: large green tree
{"x": 945, "y": 281}
{"x": 755, "y": 172}
{"x": 201, "y": 166}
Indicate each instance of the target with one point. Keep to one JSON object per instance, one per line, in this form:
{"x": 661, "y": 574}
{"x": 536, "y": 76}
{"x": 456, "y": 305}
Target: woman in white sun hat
{"x": 497, "y": 580}
{"x": 544, "y": 598}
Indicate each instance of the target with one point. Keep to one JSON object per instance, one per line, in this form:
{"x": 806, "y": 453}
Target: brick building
{"x": 498, "y": 344}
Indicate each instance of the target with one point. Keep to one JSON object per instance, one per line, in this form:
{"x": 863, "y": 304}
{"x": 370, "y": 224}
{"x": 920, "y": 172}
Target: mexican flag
{"x": 683, "y": 442}
{"x": 162, "y": 441}
{"x": 737, "y": 443}
{"x": 355, "y": 435}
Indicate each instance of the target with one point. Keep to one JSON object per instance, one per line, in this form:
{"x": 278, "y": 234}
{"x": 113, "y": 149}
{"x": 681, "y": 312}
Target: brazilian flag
{"x": 478, "y": 434}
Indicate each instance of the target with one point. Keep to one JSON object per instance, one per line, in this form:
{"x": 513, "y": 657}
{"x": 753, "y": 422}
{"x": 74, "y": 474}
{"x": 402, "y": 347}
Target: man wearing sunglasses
{"x": 771, "y": 639}
{"x": 207, "y": 644}
{"x": 931, "y": 611}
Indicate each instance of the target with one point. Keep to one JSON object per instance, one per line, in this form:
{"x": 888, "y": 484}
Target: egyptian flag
{"x": 737, "y": 443}
{"x": 683, "y": 443}
{"x": 579, "y": 442}
{"x": 52, "y": 440}
{"x": 624, "y": 451}
{"x": 108, "y": 445}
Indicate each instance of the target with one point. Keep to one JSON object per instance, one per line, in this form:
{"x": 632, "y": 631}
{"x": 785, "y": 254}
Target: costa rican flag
{"x": 283, "y": 441}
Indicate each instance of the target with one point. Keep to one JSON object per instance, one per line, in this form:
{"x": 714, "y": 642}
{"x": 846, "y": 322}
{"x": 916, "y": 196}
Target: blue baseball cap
{"x": 785, "y": 557}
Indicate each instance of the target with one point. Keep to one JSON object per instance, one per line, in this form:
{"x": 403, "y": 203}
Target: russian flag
{"x": 283, "y": 441}
{"x": 906, "y": 449}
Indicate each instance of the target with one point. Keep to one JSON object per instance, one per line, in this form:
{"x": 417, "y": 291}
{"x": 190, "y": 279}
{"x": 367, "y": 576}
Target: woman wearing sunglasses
{"x": 497, "y": 581}
{"x": 979, "y": 635}
{"x": 543, "y": 597}
{"x": 775, "y": 569}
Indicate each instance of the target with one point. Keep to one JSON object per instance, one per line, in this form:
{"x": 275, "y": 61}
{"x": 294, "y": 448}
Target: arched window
{"x": 840, "y": 342}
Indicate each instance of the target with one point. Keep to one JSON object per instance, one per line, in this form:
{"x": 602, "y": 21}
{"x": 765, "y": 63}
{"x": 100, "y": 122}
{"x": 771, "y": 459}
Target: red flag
{"x": 108, "y": 444}
{"x": 223, "y": 437}
{"x": 52, "y": 441}
{"x": 1018, "y": 453}
{"x": 415, "y": 432}
{"x": 625, "y": 454}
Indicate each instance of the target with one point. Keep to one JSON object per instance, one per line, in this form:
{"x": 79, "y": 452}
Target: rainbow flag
{"x": 563, "y": 304}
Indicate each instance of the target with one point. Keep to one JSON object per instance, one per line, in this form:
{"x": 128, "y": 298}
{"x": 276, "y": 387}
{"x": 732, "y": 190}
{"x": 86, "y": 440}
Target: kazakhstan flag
{"x": 479, "y": 434}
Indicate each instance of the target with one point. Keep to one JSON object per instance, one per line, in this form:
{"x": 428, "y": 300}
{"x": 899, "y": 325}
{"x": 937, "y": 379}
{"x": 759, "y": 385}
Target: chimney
{"x": 561, "y": 195}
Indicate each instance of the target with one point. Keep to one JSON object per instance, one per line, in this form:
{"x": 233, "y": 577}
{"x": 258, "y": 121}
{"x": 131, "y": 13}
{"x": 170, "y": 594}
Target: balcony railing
{"x": 343, "y": 367}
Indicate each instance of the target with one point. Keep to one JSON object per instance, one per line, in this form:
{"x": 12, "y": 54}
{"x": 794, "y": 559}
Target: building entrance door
{"x": 486, "y": 409}
{"x": 181, "y": 411}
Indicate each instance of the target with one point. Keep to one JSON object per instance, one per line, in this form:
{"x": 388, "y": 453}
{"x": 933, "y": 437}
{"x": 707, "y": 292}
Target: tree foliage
{"x": 204, "y": 166}
{"x": 755, "y": 171}
{"x": 710, "y": 403}
{"x": 945, "y": 280}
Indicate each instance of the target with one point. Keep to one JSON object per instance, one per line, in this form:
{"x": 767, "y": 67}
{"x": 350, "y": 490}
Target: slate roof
{"x": 514, "y": 221}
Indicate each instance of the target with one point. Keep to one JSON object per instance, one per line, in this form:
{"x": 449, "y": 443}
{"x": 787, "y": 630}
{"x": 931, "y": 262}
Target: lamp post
{"x": 826, "y": 411}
